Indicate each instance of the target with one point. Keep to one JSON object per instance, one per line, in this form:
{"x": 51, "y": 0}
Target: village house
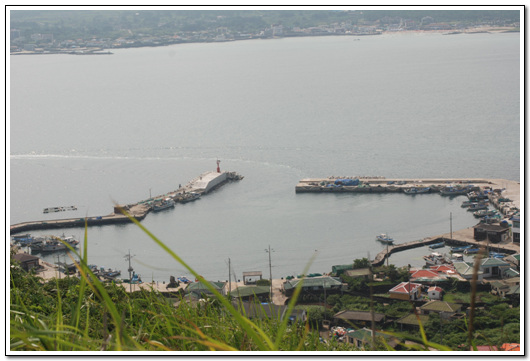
{"x": 357, "y": 318}
{"x": 493, "y": 233}
{"x": 412, "y": 321}
{"x": 426, "y": 276}
{"x": 445, "y": 309}
{"x": 315, "y": 285}
{"x": 198, "y": 288}
{"x": 251, "y": 293}
{"x": 434, "y": 293}
{"x": 406, "y": 291}
{"x": 27, "y": 261}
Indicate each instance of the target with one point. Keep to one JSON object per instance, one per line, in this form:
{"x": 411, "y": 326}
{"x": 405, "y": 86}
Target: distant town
{"x": 96, "y": 32}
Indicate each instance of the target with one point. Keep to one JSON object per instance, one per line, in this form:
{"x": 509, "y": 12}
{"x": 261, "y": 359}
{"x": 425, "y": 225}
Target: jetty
{"x": 201, "y": 185}
{"x": 462, "y": 237}
{"x": 333, "y": 184}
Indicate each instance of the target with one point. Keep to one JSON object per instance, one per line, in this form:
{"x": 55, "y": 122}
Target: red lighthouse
{"x": 218, "y": 169}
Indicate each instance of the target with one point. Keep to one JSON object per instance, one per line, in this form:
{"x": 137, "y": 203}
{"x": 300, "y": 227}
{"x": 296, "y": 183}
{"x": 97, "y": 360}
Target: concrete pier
{"x": 203, "y": 184}
{"x": 462, "y": 237}
{"x": 511, "y": 189}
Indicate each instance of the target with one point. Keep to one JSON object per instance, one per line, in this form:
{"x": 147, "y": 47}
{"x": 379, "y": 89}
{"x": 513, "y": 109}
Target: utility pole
{"x": 270, "y": 269}
{"x": 325, "y": 301}
{"x": 58, "y": 265}
{"x": 451, "y": 224}
{"x": 229, "y": 278}
{"x": 130, "y": 269}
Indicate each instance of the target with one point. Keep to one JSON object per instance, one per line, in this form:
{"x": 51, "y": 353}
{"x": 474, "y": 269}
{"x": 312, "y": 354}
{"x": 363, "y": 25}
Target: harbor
{"x": 503, "y": 194}
{"x": 201, "y": 185}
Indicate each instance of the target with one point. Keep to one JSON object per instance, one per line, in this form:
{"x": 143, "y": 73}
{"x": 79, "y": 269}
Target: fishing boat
{"x": 484, "y": 213}
{"x": 384, "y": 238}
{"x": 453, "y": 191}
{"x": 497, "y": 255}
{"x": 477, "y": 196}
{"x": 190, "y": 197}
{"x": 460, "y": 249}
{"x": 457, "y": 257}
{"x": 52, "y": 243}
{"x": 165, "y": 204}
{"x": 417, "y": 190}
{"x": 437, "y": 245}
{"x": 434, "y": 259}
{"x": 477, "y": 206}
{"x": 471, "y": 250}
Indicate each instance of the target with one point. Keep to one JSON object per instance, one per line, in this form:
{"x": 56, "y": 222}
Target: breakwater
{"x": 459, "y": 238}
{"x": 384, "y": 185}
{"x": 202, "y": 184}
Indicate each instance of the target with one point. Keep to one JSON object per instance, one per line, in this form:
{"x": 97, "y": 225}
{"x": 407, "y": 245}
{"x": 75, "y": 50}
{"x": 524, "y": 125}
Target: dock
{"x": 462, "y": 237}
{"x": 202, "y": 184}
{"x": 510, "y": 189}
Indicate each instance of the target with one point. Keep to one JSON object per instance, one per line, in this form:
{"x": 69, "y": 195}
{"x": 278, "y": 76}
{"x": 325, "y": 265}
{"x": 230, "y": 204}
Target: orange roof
{"x": 511, "y": 347}
{"x": 405, "y": 287}
{"x": 442, "y": 268}
{"x": 423, "y": 273}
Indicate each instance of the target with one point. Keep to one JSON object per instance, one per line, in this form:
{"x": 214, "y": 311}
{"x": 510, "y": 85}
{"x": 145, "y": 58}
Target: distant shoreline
{"x": 105, "y": 51}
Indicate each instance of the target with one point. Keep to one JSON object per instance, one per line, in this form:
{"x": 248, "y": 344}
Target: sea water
{"x": 93, "y": 131}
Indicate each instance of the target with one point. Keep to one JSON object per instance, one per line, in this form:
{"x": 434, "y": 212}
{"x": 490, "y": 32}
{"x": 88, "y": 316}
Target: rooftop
{"x": 441, "y": 306}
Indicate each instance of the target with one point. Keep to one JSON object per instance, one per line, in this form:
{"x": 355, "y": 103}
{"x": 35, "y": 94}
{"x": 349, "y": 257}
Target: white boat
{"x": 165, "y": 204}
{"x": 193, "y": 196}
{"x": 384, "y": 238}
{"x": 434, "y": 259}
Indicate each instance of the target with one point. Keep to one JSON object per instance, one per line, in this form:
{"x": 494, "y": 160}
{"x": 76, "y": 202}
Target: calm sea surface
{"x": 93, "y": 130}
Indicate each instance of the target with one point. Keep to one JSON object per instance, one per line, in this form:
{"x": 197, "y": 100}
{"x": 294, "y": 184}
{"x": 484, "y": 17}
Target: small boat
{"x": 457, "y": 257}
{"x": 497, "y": 255}
{"x": 437, "y": 245}
{"x": 384, "y": 238}
{"x": 51, "y": 244}
{"x": 183, "y": 279}
{"x": 417, "y": 190}
{"x": 165, "y": 204}
{"x": 460, "y": 249}
{"x": 477, "y": 206}
{"x": 190, "y": 197}
{"x": 471, "y": 250}
{"x": 434, "y": 259}
{"x": 453, "y": 191}
{"x": 477, "y": 196}
{"x": 484, "y": 213}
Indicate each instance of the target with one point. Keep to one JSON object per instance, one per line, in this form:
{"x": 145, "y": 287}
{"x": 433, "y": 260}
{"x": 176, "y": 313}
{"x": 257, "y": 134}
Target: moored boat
{"x": 165, "y": 204}
{"x": 471, "y": 250}
{"x": 190, "y": 197}
{"x": 52, "y": 243}
{"x": 484, "y": 213}
{"x": 384, "y": 238}
{"x": 417, "y": 190}
{"x": 453, "y": 191}
{"x": 434, "y": 259}
{"x": 477, "y": 206}
{"x": 437, "y": 245}
{"x": 460, "y": 249}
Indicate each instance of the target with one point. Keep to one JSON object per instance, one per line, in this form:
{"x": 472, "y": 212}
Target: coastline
{"x": 106, "y": 51}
